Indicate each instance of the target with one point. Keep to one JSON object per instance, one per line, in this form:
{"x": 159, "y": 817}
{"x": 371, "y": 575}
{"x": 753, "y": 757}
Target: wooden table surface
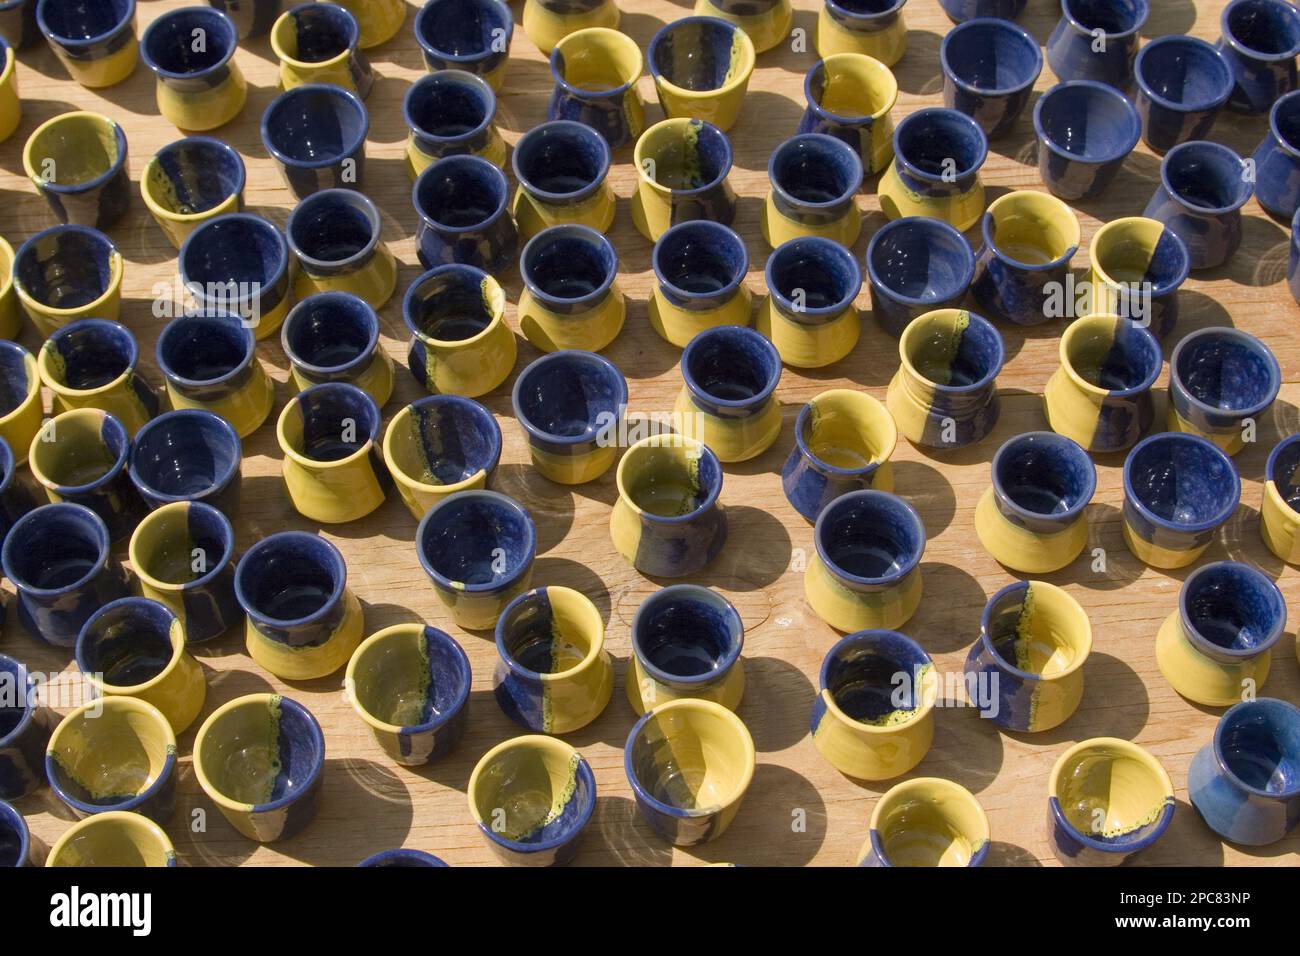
{"x": 799, "y": 809}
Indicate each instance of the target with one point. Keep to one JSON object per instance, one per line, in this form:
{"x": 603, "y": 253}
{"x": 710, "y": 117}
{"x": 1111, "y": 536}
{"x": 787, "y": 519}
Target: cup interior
{"x": 88, "y": 355}
{"x": 88, "y": 445}
{"x": 129, "y": 642}
{"x": 1110, "y": 794}
{"x": 463, "y": 28}
{"x": 330, "y": 331}
{"x": 1038, "y": 629}
{"x": 691, "y": 759}
{"x": 315, "y": 33}
{"x": 731, "y": 364}
{"x": 570, "y": 396}
{"x": 1207, "y": 176}
{"x": 700, "y": 54}
{"x": 1044, "y": 474}
{"x": 568, "y": 264}
{"x": 66, "y": 267}
{"x": 816, "y": 169}
{"x": 443, "y": 441}
{"x": 560, "y": 158}
{"x": 170, "y": 541}
{"x": 919, "y": 259}
{"x": 202, "y": 349}
{"x": 1270, "y": 27}
{"x": 1234, "y": 607}
{"x": 333, "y": 226}
{"x": 107, "y": 757}
{"x": 452, "y": 305}
{"x": 315, "y": 124}
{"x": 597, "y": 62}
{"x": 461, "y": 192}
{"x": 930, "y": 823}
{"x": 413, "y": 676}
{"x": 848, "y": 430}
{"x": 1110, "y": 353}
{"x": 289, "y": 577}
{"x": 17, "y": 378}
{"x": 1226, "y": 371}
{"x": 851, "y": 87}
{"x": 1186, "y": 72}
{"x": 185, "y": 453}
{"x": 76, "y": 147}
{"x": 1032, "y": 229}
{"x": 475, "y": 539}
{"x": 113, "y": 841}
{"x": 941, "y": 142}
{"x": 700, "y": 258}
{"x": 1110, "y": 16}
{"x": 870, "y": 536}
{"x": 193, "y": 175}
{"x": 823, "y": 273}
{"x": 446, "y": 105}
{"x": 861, "y": 674}
{"x": 953, "y": 349}
{"x": 533, "y": 792}
{"x": 86, "y": 21}
{"x": 55, "y": 547}
{"x": 263, "y": 750}
{"x": 687, "y": 632}
{"x": 867, "y": 8}
{"x": 671, "y": 479}
{"x": 1260, "y": 745}
{"x": 244, "y": 251}
{"x": 333, "y": 422}
{"x": 550, "y": 631}
{"x": 1183, "y": 481}
{"x": 1091, "y": 123}
{"x": 686, "y": 155}
{"x": 168, "y": 44}
{"x": 992, "y": 56}
{"x": 1286, "y": 122}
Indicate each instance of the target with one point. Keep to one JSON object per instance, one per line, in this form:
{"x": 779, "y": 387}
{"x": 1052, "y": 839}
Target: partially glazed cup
{"x": 686, "y": 642}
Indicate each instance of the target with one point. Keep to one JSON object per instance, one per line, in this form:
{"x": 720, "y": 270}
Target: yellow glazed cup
{"x": 191, "y": 181}
{"x": 336, "y": 236}
{"x": 210, "y": 362}
{"x": 21, "y": 411}
{"x": 439, "y": 445}
{"x": 196, "y": 87}
{"x": 332, "y": 25}
{"x": 571, "y": 298}
{"x": 116, "y": 838}
{"x": 562, "y": 169}
{"x": 1279, "y": 512}
{"x": 682, "y": 167}
{"x": 11, "y": 107}
{"x": 378, "y": 20}
{"x": 329, "y": 434}
{"x": 10, "y": 320}
{"x": 701, "y": 68}
{"x": 843, "y": 440}
{"x": 460, "y": 343}
{"x": 879, "y": 32}
{"x": 1137, "y": 266}
{"x": 66, "y": 273}
{"x": 938, "y": 154}
{"x": 547, "y": 22}
{"x": 92, "y": 364}
{"x": 93, "y": 56}
{"x": 926, "y": 822}
{"x": 700, "y": 268}
{"x": 850, "y": 97}
{"x": 809, "y": 314}
{"x": 727, "y": 401}
{"x": 766, "y": 27}
{"x": 814, "y": 181}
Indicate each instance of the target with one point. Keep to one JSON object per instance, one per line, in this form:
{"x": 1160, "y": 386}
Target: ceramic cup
{"x": 1182, "y": 84}
{"x": 1220, "y": 381}
{"x": 814, "y": 180}
{"x": 191, "y": 181}
{"x": 667, "y": 521}
{"x": 334, "y": 337}
{"x": 1107, "y": 800}
{"x": 689, "y": 762}
{"x": 303, "y": 620}
{"x": 1277, "y": 159}
{"x": 210, "y": 363}
{"x": 18, "y": 23}
{"x": 91, "y": 363}
{"x": 1179, "y": 489}
{"x": 183, "y": 555}
{"x": 944, "y": 394}
{"x": 318, "y": 43}
{"x": 335, "y": 236}
{"x": 571, "y": 299}
{"x": 18, "y": 846}
{"x": 547, "y": 22}
{"x": 10, "y": 318}
{"x": 700, "y": 268}
{"x": 701, "y": 68}
{"x": 16, "y": 497}
{"x": 78, "y": 164}
{"x": 317, "y": 134}
{"x": 561, "y": 168}
{"x": 989, "y": 69}
{"x": 449, "y": 113}
{"x": 409, "y": 684}
{"x": 460, "y": 343}
{"x": 25, "y": 728}
{"x": 463, "y": 203}
{"x": 809, "y": 314}
{"x": 239, "y": 264}
{"x": 1031, "y": 519}
{"x": 874, "y": 28}
{"x": 379, "y": 20}
{"x": 1029, "y": 240}
{"x": 187, "y": 455}
{"x": 198, "y": 86}
{"x": 727, "y": 401}
{"x": 850, "y": 97}
{"x": 1245, "y": 783}
{"x": 66, "y": 273}
{"x": 682, "y": 168}
{"x": 937, "y": 157}
{"x": 113, "y": 839}
{"x": 686, "y": 643}
{"x": 532, "y": 796}
{"x": 595, "y": 73}
{"x": 926, "y": 822}
{"x": 569, "y": 405}
{"x": 1202, "y": 188}
{"x": 401, "y": 858}
{"x": 873, "y": 717}
{"x": 842, "y": 442}
{"x": 95, "y": 41}
{"x": 1097, "y": 40}
{"x": 916, "y": 265}
{"x": 439, "y": 445}
{"x": 1138, "y": 266}
{"x": 1279, "y": 513}
{"x": 553, "y": 674}
{"x": 252, "y": 18}
{"x": 1085, "y": 130}
{"x": 470, "y": 35}
{"x": 1260, "y": 40}
{"x": 477, "y": 548}
{"x": 1100, "y": 396}
{"x": 259, "y": 759}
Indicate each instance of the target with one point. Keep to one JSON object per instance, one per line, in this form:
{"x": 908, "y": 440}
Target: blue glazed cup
{"x": 571, "y": 299}
{"x": 989, "y": 69}
{"x": 1182, "y": 84}
{"x": 59, "y": 560}
{"x": 95, "y": 40}
{"x": 1029, "y": 240}
{"x": 439, "y": 445}
{"x": 561, "y": 168}
{"x": 850, "y": 97}
{"x": 18, "y": 23}
{"x": 700, "y": 268}
{"x": 727, "y": 401}
{"x": 25, "y": 728}
{"x": 401, "y": 858}
{"x": 1277, "y": 159}
{"x": 317, "y": 133}
{"x": 686, "y": 642}
{"x": 1084, "y": 130}
{"x": 1220, "y": 381}
{"x": 65, "y": 273}
{"x": 1203, "y": 186}
{"x": 916, "y": 265}
{"x": 334, "y": 337}
{"x": 16, "y": 498}
{"x": 463, "y": 204}
{"x": 1260, "y": 39}
{"x": 18, "y": 846}
{"x": 336, "y": 237}
{"x": 1097, "y": 40}
{"x": 938, "y": 153}
{"x": 92, "y": 363}
{"x": 842, "y": 442}
{"x": 78, "y": 163}
{"x": 239, "y": 264}
{"x": 187, "y": 455}
{"x": 252, "y": 18}
{"x": 814, "y": 180}
{"x": 470, "y": 35}
{"x": 595, "y": 73}
{"x": 682, "y": 174}
{"x": 449, "y": 113}
{"x": 872, "y": 27}
{"x": 961, "y": 10}
{"x": 198, "y": 86}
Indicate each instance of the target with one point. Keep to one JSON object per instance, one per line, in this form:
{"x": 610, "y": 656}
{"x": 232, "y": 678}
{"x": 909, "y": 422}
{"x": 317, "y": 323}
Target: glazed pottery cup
{"x": 532, "y": 796}
{"x": 960, "y": 11}
{"x": 66, "y": 273}
{"x": 944, "y": 394}
{"x": 1245, "y": 783}
{"x": 25, "y": 728}
{"x": 561, "y": 168}
{"x": 814, "y": 180}
{"x": 916, "y": 265}
{"x": 1220, "y": 381}
{"x": 1107, "y": 799}
{"x": 1031, "y": 519}
{"x": 379, "y": 20}
{"x": 569, "y": 405}
{"x": 1084, "y": 130}
{"x": 850, "y": 96}
{"x": 252, "y": 18}
{"x": 547, "y": 22}
{"x": 239, "y": 264}
{"x": 937, "y": 157}
{"x": 335, "y": 238}
{"x": 10, "y": 319}
{"x": 439, "y": 445}
{"x": 809, "y": 313}
{"x": 570, "y": 299}
{"x": 553, "y": 674}
{"x": 21, "y": 409}
{"x": 701, "y": 68}
{"x": 401, "y": 858}
{"x": 1260, "y": 40}
{"x": 689, "y": 762}
{"x": 873, "y": 716}
{"x": 874, "y": 28}
{"x": 410, "y": 684}
{"x": 183, "y": 555}
{"x": 1182, "y": 84}
{"x": 728, "y": 399}
{"x": 927, "y": 822}
{"x": 686, "y": 643}
{"x": 1101, "y": 395}
{"x": 470, "y": 35}
{"x": 18, "y": 846}
{"x": 595, "y": 73}
{"x": 187, "y": 455}
{"x": 334, "y": 337}
{"x": 303, "y": 621}
{"x": 91, "y": 363}
{"x": 667, "y": 521}
{"x": 317, "y": 134}
{"x": 700, "y": 268}
{"x": 78, "y": 163}
{"x": 1138, "y": 266}
{"x": 460, "y": 343}
{"x": 842, "y": 442}
{"x": 1202, "y": 188}
{"x": 210, "y": 363}
{"x": 318, "y": 43}
{"x": 682, "y": 167}
{"x": 1179, "y": 489}
{"x": 1029, "y": 240}
{"x": 95, "y": 41}
{"x": 1279, "y": 513}
{"x": 1277, "y": 159}
{"x": 259, "y": 759}
{"x": 450, "y": 113}
{"x": 16, "y": 498}
{"x": 115, "y": 754}
{"x": 191, "y": 181}
{"x": 989, "y": 69}
{"x": 199, "y": 86}
{"x": 113, "y": 839}
{"x": 1097, "y": 40}
{"x": 866, "y": 571}
{"x": 463, "y": 203}
{"x": 477, "y": 548}
{"x": 18, "y": 23}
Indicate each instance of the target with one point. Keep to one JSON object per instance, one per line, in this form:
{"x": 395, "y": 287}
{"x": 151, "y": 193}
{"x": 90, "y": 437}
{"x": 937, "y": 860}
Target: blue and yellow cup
{"x": 470, "y": 35}
{"x": 1279, "y": 512}
{"x": 728, "y": 400}
{"x": 766, "y": 22}
{"x": 439, "y": 445}
{"x": 191, "y": 181}
{"x": 571, "y": 298}
{"x": 464, "y": 207}
{"x": 379, "y": 20}
{"x": 11, "y": 107}
{"x": 91, "y": 363}
{"x": 570, "y": 405}
{"x": 850, "y": 97}
{"x": 682, "y": 167}
{"x": 450, "y": 113}
{"x": 701, "y": 68}
{"x": 1220, "y": 381}
{"x": 303, "y": 620}
{"x": 11, "y": 322}
{"x": 199, "y": 86}
{"x": 547, "y": 22}
{"x": 596, "y": 71}
{"x": 689, "y": 762}
{"x": 16, "y": 497}
{"x": 21, "y": 408}
{"x": 238, "y": 263}
{"x": 66, "y": 273}
{"x": 335, "y": 237}
{"x": 401, "y": 858}
{"x": 259, "y": 758}
{"x": 937, "y": 158}
{"x": 18, "y": 845}
{"x": 1179, "y": 489}
{"x": 1137, "y": 268}
{"x": 843, "y": 440}
{"x": 809, "y": 313}
{"x": 334, "y": 337}
{"x": 916, "y": 265}
{"x": 926, "y": 822}
{"x": 113, "y": 839}
{"x": 686, "y": 642}
{"x": 814, "y": 180}
{"x": 210, "y": 363}
{"x": 531, "y": 797}
{"x": 95, "y": 41}
{"x": 184, "y": 557}
{"x": 561, "y": 168}
{"x": 1107, "y": 799}
{"x": 25, "y": 728}
{"x": 871, "y": 27}
{"x": 553, "y": 675}
{"x": 460, "y": 343}
{"x": 700, "y": 268}
{"x": 187, "y": 455}
{"x": 1024, "y": 263}
{"x": 318, "y": 43}
{"x": 317, "y": 134}
{"x": 409, "y": 684}
{"x": 78, "y": 163}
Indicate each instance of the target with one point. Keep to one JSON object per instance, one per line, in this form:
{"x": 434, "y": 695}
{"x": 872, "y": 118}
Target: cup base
{"x": 678, "y": 326}
{"x": 1158, "y": 557}
{"x": 1229, "y": 442}
{"x": 887, "y": 46}
{"x": 590, "y": 331}
{"x": 960, "y": 210}
{"x": 850, "y": 611}
{"x": 645, "y": 693}
{"x": 778, "y": 229}
{"x": 1200, "y": 679}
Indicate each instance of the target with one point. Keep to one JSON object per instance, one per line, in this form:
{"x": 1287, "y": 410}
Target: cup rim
{"x": 499, "y": 500}
{"x": 1174, "y": 40}
{"x": 1282, "y": 142}
{"x": 952, "y": 788}
{"x": 166, "y": 419}
{"x": 924, "y": 223}
{"x": 1203, "y": 144}
{"x": 678, "y": 122}
{"x": 127, "y": 22}
{"x": 748, "y": 56}
{"x": 176, "y": 507}
{"x": 694, "y": 447}
{"x": 580, "y": 129}
{"x": 533, "y": 742}
{"x": 1133, "y": 752}
{"x": 497, "y": 318}
{"x": 33, "y": 379}
{"x": 426, "y": 46}
{"x": 986, "y": 637}
{"x": 1130, "y": 495}
{"x": 29, "y": 709}
{"x": 733, "y": 332}
{"x": 431, "y": 80}
{"x": 44, "y": 357}
{"x": 350, "y": 197}
{"x": 313, "y": 89}
{"x": 232, "y": 41}
{"x": 340, "y": 574}
{"x": 1072, "y": 447}
{"x": 1115, "y": 225}
{"x": 1094, "y": 87}
{"x": 175, "y": 634}
{"x": 8, "y": 465}
{"x": 115, "y": 167}
{"x": 1207, "y": 647}
{"x": 1235, "y": 712}
{"x": 251, "y": 219}
{"x": 591, "y": 34}
{"x": 687, "y": 592}
{"x": 122, "y": 818}
{"x": 364, "y": 357}
{"x": 1144, "y": 12}
{"x": 1231, "y": 39}
{"x": 855, "y": 179}
{"x": 576, "y": 231}
{"x": 1243, "y": 338}
{"x": 824, "y": 63}
{"x": 928, "y": 693}
{"x": 603, "y": 365}
{"x": 105, "y": 420}
{"x": 488, "y": 167}
{"x": 248, "y": 361}
{"x": 847, "y": 394}
{"x": 1032, "y": 196}
{"x": 332, "y": 9}
{"x": 928, "y": 112}
{"x": 10, "y": 56}
{"x": 513, "y": 664}
{"x": 474, "y": 408}
{"x": 874, "y": 497}
{"x": 724, "y": 233}
{"x": 421, "y": 632}
{"x": 1129, "y": 327}
{"x": 296, "y": 403}
{"x": 97, "y": 526}
{"x": 990, "y": 23}
{"x": 973, "y": 318}
{"x": 207, "y": 142}
{"x": 90, "y": 308}
{"x": 828, "y": 247}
